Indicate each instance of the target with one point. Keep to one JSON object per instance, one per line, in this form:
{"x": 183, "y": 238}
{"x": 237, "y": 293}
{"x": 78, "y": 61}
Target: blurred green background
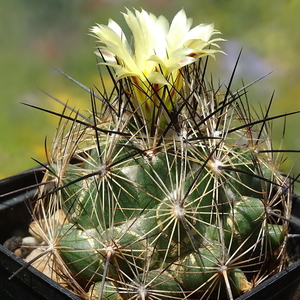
{"x": 36, "y": 36}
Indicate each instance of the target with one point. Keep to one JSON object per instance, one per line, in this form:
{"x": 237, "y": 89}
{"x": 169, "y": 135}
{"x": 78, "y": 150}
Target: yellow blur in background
{"x": 38, "y": 36}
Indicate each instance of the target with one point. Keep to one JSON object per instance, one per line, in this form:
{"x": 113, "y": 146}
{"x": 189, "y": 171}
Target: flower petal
{"x": 180, "y": 26}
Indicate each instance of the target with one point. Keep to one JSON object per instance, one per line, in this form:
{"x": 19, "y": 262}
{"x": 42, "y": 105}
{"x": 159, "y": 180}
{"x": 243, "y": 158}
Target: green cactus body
{"x": 78, "y": 200}
{"x": 200, "y": 197}
{"x": 247, "y": 215}
{"x": 198, "y": 268}
{"x": 159, "y": 209}
{"x": 221, "y": 233}
{"x": 199, "y": 272}
{"x": 86, "y": 251}
{"x": 109, "y": 292}
{"x": 154, "y": 177}
{"x": 251, "y": 177}
{"x": 275, "y": 235}
{"x": 80, "y": 251}
{"x": 156, "y": 284}
{"x": 246, "y": 220}
{"x": 239, "y": 283}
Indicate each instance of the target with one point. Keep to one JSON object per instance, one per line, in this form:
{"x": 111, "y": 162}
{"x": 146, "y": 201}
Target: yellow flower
{"x": 159, "y": 48}
{"x": 159, "y": 51}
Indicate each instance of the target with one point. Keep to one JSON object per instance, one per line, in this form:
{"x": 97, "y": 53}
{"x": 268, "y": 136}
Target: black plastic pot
{"x": 32, "y": 284}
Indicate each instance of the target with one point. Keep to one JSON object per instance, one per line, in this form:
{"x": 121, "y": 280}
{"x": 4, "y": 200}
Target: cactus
{"x": 175, "y": 193}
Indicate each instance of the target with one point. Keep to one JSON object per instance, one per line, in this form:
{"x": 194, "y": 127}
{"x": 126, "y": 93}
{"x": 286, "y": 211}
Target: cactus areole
{"x": 175, "y": 195}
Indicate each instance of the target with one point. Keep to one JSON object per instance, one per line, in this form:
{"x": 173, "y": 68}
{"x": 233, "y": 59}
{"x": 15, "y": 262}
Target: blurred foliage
{"x": 36, "y": 36}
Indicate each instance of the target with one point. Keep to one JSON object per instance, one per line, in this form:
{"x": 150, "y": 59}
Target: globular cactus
{"x": 174, "y": 193}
